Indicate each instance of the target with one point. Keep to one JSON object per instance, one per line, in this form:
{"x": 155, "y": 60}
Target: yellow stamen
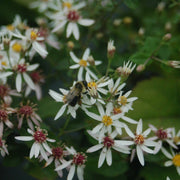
{"x": 176, "y": 160}
{"x": 10, "y": 27}
{"x": 92, "y": 85}
{"x": 123, "y": 100}
{"x": 83, "y": 63}
{"x": 107, "y": 120}
{"x": 67, "y": 4}
{"x": 17, "y": 47}
{"x": 33, "y": 35}
{"x": 4, "y": 63}
{"x": 139, "y": 139}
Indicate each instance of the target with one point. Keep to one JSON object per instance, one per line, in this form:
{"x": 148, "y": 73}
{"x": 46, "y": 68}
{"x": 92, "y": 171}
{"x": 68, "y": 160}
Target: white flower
{"x": 126, "y": 70}
{"x": 167, "y": 178}
{"x": 174, "y": 159}
{"x": 40, "y": 145}
{"x": 176, "y": 137}
{"x": 71, "y": 17}
{"x": 161, "y": 136}
{"x": 106, "y": 144}
{"x": 108, "y": 120}
{"x": 83, "y": 64}
{"x": 41, "y": 5}
{"x": 139, "y": 139}
{"x": 125, "y": 102}
{"x": 33, "y": 37}
{"x": 3, "y": 148}
{"x": 97, "y": 87}
{"x": 115, "y": 87}
{"x": 111, "y": 48}
{"x": 78, "y": 161}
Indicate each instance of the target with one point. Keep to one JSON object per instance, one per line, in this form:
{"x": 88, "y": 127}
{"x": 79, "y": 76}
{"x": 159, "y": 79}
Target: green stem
{"x": 108, "y": 67}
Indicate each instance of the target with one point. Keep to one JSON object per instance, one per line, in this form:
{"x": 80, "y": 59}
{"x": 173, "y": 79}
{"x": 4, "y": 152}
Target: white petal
{"x": 71, "y": 172}
{"x": 28, "y": 80}
{"x": 146, "y": 132}
{"x": 5, "y": 74}
{"x": 47, "y": 148}
{"x": 61, "y": 25}
{"x": 97, "y": 128}
{"x": 129, "y": 120}
{"x": 18, "y": 82}
{"x": 139, "y": 127}
{"x": 80, "y": 74}
{"x": 100, "y": 109}
{"x": 64, "y": 165}
{"x": 95, "y": 148}
{"x": 75, "y": 31}
{"x": 24, "y": 138}
{"x": 146, "y": 149}
{"x": 39, "y": 49}
{"x": 166, "y": 153}
{"x": 74, "y": 58}
{"x": 80, "y": 172}
{"x": 56, "y": 96}
{"x": 168, "y": 163}
{"x": 32, "y": 67}
{"x": 86, "y": 54}
{"x": 75, "y": 66}
{"x": 102, "y": 158}
{"x": 128, "y": 131}
{"x": 43, "y": 153}
{"x": 123, "y": 142}
{"x": 140, "y": 155}
{"x": 109, "y": 157}
{"x": 32, "y": 151}
{"x": 60, "y": 112}
{"x": 69, "y": 29}
{"x": 94, "y": 116}
{"x": 86, "y": 22}
{"x": 36, "y": 149}
{"x": 91, "y": 73}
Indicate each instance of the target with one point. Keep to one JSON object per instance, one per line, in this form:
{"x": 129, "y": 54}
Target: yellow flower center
{"x": 64, "y": 99}
{"x": 4, "y": 63}
{"x": 107, "y": 120}
{"x": 176, "y": 139}
{"x": 33, "y": 35}
{"x": 83, "y": 63}
{"x": 10, "y": 27}
{"x": 67, "y": 4}
{"x": 17, "y": 47}
{"x": 92, "y": 85}
{"x": 123, "y": 100}
{"x": 176, "y": 160}
{"x": 117, "y": 110}
{"x": 139, "y": 139}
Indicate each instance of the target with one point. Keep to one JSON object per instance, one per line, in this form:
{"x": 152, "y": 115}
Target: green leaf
{"x": 149, "y": 47}
{"x": 158, "y": 102}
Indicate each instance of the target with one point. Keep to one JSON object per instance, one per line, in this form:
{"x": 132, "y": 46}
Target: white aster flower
{"x": 115, "y": 87}
{"x": 71, "y": 17}
{"x": 95, "y": 88}
{"x": 125, "y": 102}
{"x": 40, "y": 145}
{"x": 174, "y": 159}
{"x": 107, "y": 143}
{"x": 139, "y": 139}
{"x": 3, "y": 147}
{"x": 83, "y": 64}
{"x": 32, "y": 37}
{"x": 108, "y": 120}
{"x": 125, "y": 70}
{"x": 42, "y": 5}
{"x": 78, "y": 162}
{"x": 162, "y": 135}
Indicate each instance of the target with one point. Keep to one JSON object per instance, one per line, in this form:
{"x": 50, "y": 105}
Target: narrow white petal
{"x": 91, "y": 73}
{"x": 100, "y": 109}
{"x": 80, "y": 172}
{"x": 60, "y": 112}
{"x": 61, "y": 25}
{"x": 86, "y": 22}
{"x": 128, "y": 131}
{"x": 43, "y": 153}
{"x": 178, "y": 170}
{"x": 39, "y": 49}
{"x": 47, "y": 148}
{"x": 86, "y": 54}
{"x": 80, "y": 74}
{"x": 36, "y": 149}
{"x": 18, "y": 82}
{"x": 168, "y": 163}
{"x": 129, "y": 120}
{"x": 94, "y": 116}
{"x": 140, "y": 155}
{"x": 97, "y": 128}
{"x": 69, "y": 29}
{"x": 95, "y": 148}
{"x": 24, "y": 138}
{"x": 75, "y": 66}
{"x": 146, "y": 132}
{"x": 146, "y": 149}
{"x": 56, "y": 96}
{"x": 71, "y": 172}
{"x": 109, "y": 157}
{"x": 75, "y": 31}
{"x": 102, "y": 158}
{"x": 64, "y": 165}
{"x": 5, "y": 74}
{"x": 166, "y": 153}
{"x": 32, "y": 151}
{"x": 74, "y": 58}
{"x": 28, "y": 80}
{"x": 32, "y": 67}
{"x": 139, "y": 127}
{"x": 123, "y": 142}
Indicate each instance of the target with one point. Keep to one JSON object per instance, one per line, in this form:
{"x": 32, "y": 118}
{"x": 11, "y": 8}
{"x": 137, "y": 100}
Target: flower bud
{"x": 111, "y": 49}
{"x": 70, "y": 44}
{"x": 141, "y": 31}
{"x": 117, "y": 22}
{"x": 168, "y": 26}
{"x": 127, "y": 20}
{"x": 167, "y": 37}
{"x": 174, "y": 64}
{"x": 99, "y": 35}
{"x": 140, "y": 68}
{"x": 161, "y": 6}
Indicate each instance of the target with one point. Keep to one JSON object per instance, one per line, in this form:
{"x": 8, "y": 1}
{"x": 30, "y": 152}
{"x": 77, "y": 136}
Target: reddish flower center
{"x": 73, "y": 15}
{"x": 3, "y": 115}
{"x": 117, "y": 110}
{"x": 108, "y": 142}
{"x": 22, "y": 68}
{"x": 36, "y": 77}
{"x": 79, "y": 159}
{"x": 26, "y": 110}
{"x": 39, "y": 136}
{"x": 139, "y": 139}
{"x": 3, "y": 91}
{"x": 57, "y": 152}
{"x": 161, "y": 134}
